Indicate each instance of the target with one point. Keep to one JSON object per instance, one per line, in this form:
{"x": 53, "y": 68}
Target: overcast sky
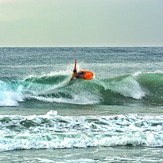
{"x": 81, "y": 23}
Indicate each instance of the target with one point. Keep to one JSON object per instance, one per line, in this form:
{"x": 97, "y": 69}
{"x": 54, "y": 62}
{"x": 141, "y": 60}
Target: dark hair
{"x": 74, "y": 71}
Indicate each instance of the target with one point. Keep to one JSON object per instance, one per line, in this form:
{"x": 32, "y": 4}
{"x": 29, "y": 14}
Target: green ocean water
{"x": 115, "y": 117}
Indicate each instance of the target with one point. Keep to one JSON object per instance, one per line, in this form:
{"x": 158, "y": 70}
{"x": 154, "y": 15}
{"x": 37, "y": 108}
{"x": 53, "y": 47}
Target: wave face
{"x": 54, "y": 131}
{"x": 138, "y": 88}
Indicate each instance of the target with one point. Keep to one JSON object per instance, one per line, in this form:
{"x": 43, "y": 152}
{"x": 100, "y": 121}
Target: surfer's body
{"x": 75, "y": 74}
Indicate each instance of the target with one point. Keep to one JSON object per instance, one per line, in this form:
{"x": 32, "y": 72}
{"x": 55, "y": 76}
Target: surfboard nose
{"x": 88, "y": 75}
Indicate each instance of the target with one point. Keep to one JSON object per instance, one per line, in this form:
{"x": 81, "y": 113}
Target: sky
{"x": 74, "y": 23}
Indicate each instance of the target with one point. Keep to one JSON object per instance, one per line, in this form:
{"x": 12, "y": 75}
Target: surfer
{"x": 75, "y": 74}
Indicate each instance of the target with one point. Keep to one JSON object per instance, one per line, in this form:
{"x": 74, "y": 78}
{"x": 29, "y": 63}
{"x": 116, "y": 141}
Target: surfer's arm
{"x": 74, "y": 71}
{"x": 75, "y": 64}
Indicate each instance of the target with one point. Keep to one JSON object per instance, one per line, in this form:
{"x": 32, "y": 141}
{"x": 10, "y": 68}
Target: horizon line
{"x": 118, "y": 46}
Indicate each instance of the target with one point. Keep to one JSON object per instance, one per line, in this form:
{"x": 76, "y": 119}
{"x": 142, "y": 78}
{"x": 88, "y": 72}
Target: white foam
{"x": 54, "y": 131}
{"x": 44, "y": 160}
{"x": 9, "y": 97}
{"x": 137, "y": 74}
{"x": 77, "y": 99}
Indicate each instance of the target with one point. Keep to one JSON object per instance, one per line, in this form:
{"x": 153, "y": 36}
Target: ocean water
{"x": 115, "y": 117}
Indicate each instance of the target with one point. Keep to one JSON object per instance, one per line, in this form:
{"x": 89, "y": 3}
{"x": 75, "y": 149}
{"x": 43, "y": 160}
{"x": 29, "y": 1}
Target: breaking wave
{"x": 56, "y": 88}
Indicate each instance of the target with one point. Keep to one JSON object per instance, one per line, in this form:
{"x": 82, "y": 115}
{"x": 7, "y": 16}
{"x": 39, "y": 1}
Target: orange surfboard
{"x": 88, "y": 75}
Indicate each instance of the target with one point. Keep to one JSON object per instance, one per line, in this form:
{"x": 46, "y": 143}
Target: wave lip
{"x": 127, "y": 87}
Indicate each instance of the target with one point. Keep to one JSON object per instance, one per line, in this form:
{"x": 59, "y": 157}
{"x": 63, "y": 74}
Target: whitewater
{"x": 115, "y": 117}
